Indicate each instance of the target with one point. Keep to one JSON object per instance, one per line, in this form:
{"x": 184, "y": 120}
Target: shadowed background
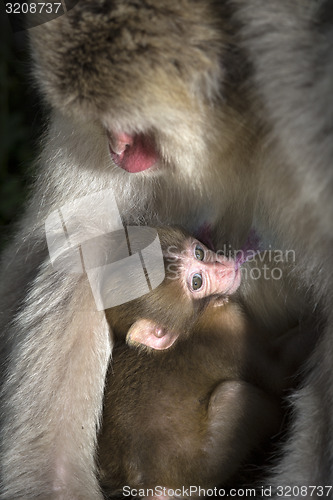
{"x": 20, "y": 125}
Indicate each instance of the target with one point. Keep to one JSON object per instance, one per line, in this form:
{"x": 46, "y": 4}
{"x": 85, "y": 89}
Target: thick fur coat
{"x": 235, "y": 98}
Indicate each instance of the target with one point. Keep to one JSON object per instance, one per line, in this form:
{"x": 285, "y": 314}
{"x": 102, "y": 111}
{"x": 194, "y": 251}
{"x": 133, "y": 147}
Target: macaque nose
{"x": 119, "y": 142}
{"x": 222, "y": 259}
{"x": 225, "y": 268}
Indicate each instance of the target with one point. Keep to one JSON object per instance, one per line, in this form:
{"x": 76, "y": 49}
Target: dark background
{"x": 21, "y": 124}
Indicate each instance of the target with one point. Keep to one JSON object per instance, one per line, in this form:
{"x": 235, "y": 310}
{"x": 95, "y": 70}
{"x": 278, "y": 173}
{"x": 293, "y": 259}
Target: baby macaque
{"x": 190, "y": 414}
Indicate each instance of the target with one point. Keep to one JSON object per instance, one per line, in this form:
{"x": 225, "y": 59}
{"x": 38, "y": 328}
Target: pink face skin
{"x": 133, "y": 153}
{"x": 203, "y": 273}
{"x": 206, "y": 273}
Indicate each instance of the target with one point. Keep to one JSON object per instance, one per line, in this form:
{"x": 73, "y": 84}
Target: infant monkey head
{"x": 194, "y": 276}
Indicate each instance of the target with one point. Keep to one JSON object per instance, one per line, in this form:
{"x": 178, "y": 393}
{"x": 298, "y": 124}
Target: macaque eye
{"x": 199, "y": 253}
{"x": 197, "y": 281}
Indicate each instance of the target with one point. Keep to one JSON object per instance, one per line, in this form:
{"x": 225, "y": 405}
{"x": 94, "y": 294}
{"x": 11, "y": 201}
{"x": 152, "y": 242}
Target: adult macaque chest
{"x": 204, "y": 389}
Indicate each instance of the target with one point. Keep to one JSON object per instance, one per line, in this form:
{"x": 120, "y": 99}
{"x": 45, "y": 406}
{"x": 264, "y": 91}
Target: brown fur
{"x": 191, "y": 414}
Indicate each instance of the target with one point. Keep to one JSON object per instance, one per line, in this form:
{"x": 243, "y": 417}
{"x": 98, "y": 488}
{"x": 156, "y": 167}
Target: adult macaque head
{"x": 194, "y": 275}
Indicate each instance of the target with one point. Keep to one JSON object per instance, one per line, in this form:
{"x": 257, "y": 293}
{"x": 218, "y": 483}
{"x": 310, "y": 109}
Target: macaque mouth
{"x": 133, "y": 153}
{"x": 236, "y": 281}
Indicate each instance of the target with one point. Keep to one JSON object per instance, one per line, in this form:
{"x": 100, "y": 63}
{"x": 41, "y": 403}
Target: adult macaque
{"x": 191, "y": 414}
{"x": 190, "y": 112}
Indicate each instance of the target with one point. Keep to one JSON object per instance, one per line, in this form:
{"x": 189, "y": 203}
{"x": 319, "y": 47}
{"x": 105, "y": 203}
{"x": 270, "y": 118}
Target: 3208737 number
{"x": 32, "y": 8}
{"x": 303, "y": 491}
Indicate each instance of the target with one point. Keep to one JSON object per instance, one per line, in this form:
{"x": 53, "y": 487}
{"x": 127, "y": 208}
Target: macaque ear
{"x": 150, "y": 334}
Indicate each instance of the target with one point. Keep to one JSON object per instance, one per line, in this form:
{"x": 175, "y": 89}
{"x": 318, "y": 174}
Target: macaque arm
{"x": 239, "y": 417}
{"x": 52, "y": 395}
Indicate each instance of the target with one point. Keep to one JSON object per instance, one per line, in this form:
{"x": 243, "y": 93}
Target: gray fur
{"x": 182, "y": 71}
{"x": 291, "y": 46}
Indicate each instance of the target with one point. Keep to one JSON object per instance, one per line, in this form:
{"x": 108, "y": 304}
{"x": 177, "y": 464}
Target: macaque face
{"x": 193, "y": 272}
{"x": 205, "y": 273}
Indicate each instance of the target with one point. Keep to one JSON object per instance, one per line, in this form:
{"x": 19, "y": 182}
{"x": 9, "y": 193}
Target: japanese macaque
{"x": 191, "y": 414}
{"x": 194, "y": 276}
{"x": 215, "y": 116}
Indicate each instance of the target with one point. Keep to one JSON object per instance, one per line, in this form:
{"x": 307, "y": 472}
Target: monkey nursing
{"x": 199, "y": 114}
{"x": 191, "y": 414}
